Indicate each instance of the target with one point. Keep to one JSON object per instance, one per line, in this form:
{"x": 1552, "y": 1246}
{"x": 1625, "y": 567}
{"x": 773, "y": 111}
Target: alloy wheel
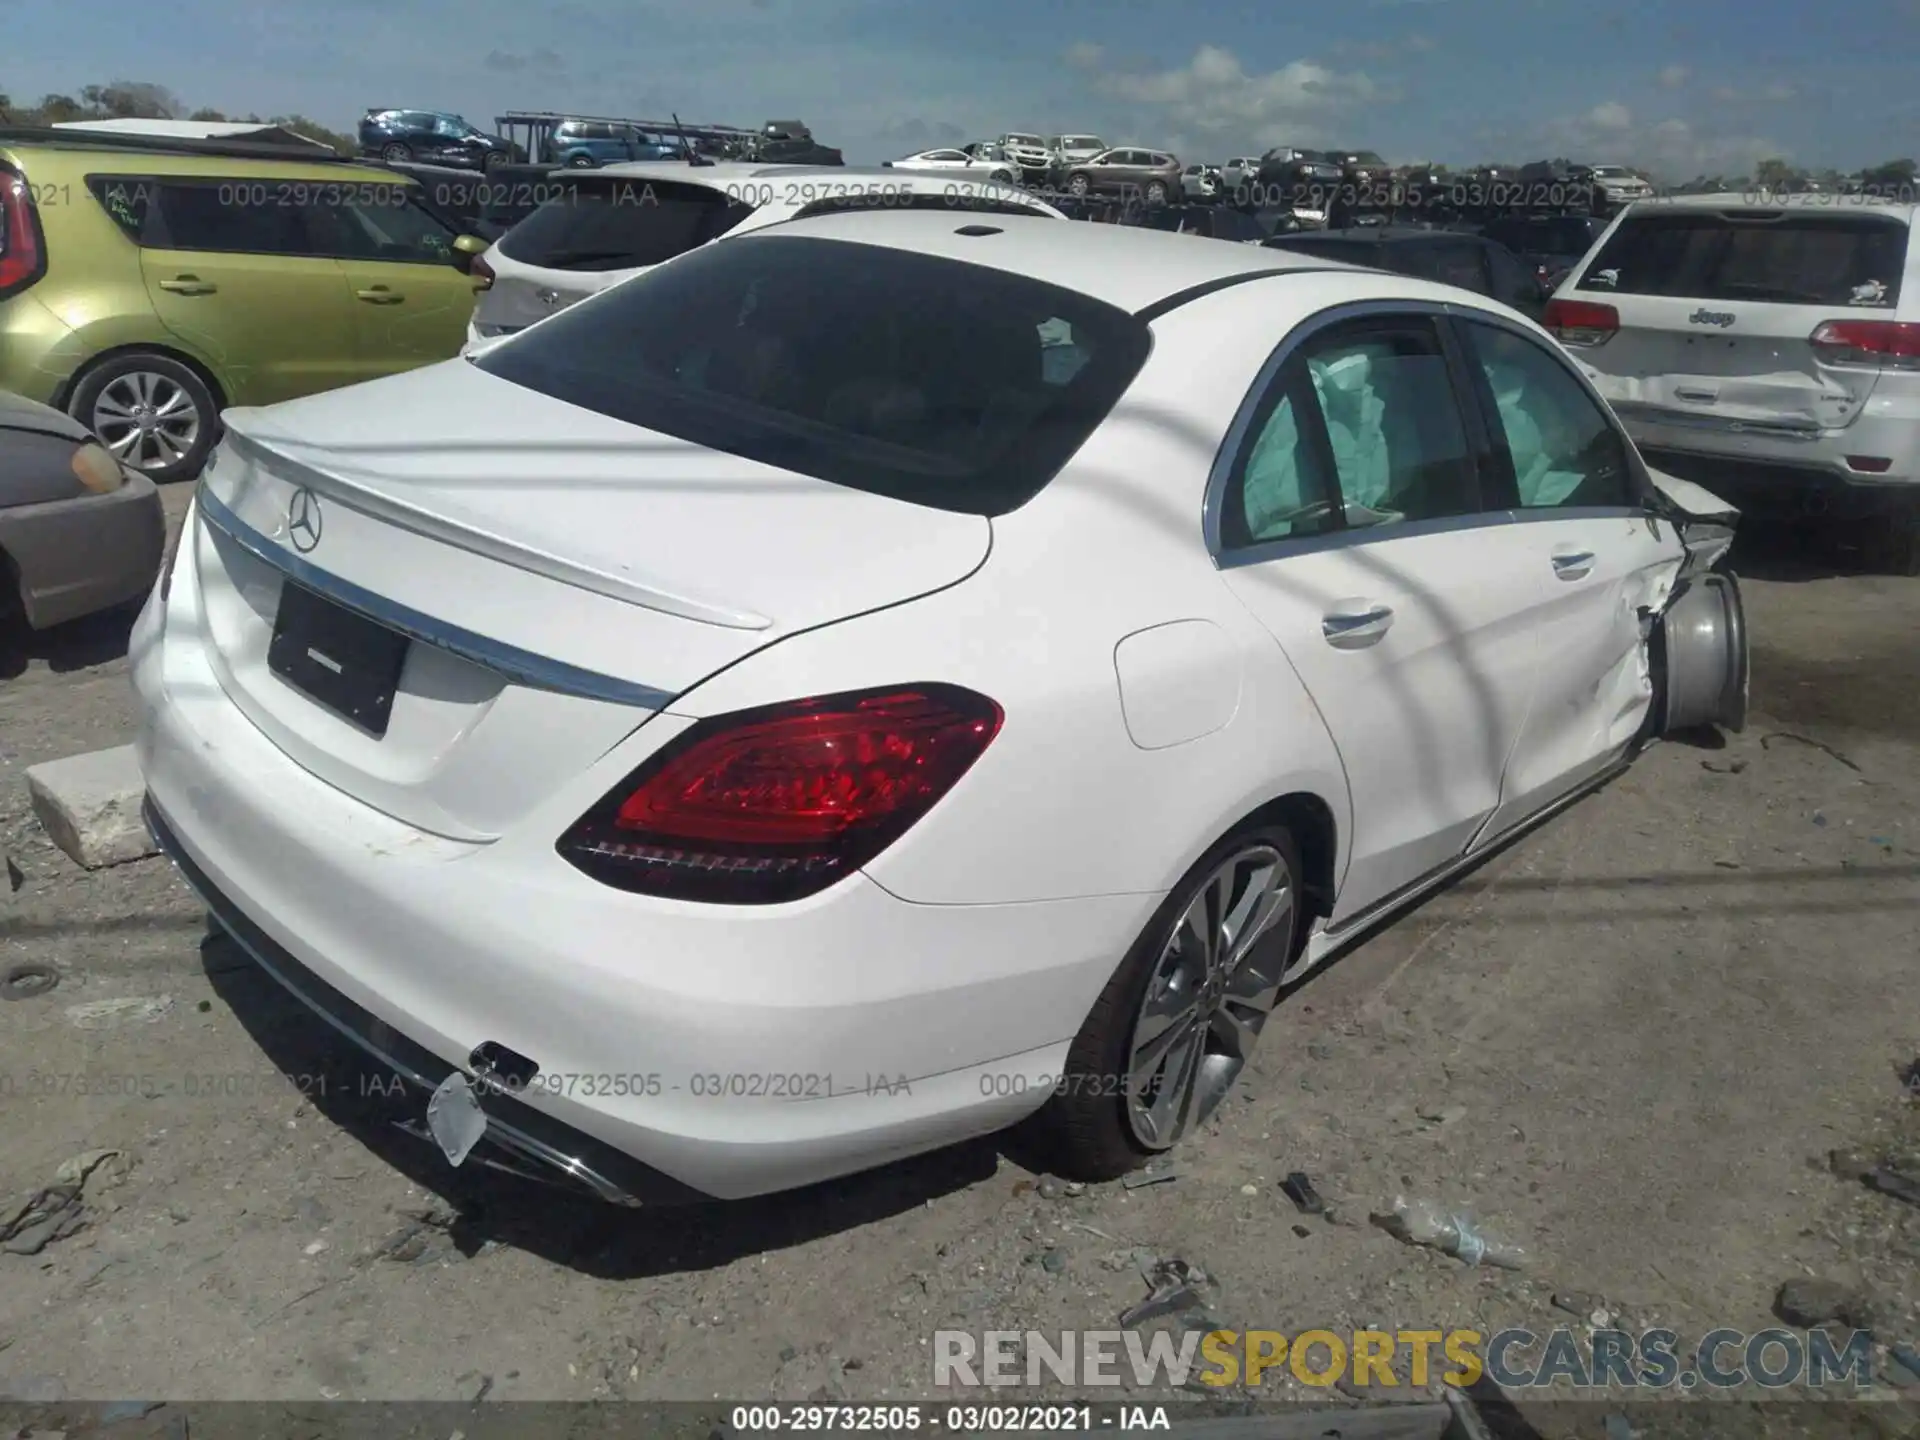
{"x": 146, "y": 419}
{"x": 1208, "y": 996}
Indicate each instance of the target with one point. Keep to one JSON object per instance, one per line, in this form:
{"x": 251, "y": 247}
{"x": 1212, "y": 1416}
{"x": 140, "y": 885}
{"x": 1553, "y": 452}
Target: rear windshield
{"x": 615, "y": 223}
{"x": 925, "y": 379}
{"x": 1763, "y": 255}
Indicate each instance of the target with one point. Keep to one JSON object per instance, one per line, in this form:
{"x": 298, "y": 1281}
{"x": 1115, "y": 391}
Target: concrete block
{"x": 90, "y": 806}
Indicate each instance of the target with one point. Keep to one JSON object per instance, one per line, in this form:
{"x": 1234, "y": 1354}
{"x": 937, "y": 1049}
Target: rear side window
{"x": 930, "y": 380}
{"x": 1763, "y": 255}
{"x": 1461, "y": 265}
{"x": 620, "y": 224}
{"x": 234, "y": 216}
{"x": 126, "y": 199}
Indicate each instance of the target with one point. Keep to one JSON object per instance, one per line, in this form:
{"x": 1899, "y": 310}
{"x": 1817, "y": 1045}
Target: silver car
{"x": 79, "y": 531}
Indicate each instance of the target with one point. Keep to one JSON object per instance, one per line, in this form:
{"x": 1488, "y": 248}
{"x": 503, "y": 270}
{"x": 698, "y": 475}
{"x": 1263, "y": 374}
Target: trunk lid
{"x": 562, "y": 575}
{"x": 1718, "y": 309}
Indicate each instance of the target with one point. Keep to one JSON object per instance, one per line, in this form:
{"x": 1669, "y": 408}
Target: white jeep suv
{"x": 1767, "y": 347}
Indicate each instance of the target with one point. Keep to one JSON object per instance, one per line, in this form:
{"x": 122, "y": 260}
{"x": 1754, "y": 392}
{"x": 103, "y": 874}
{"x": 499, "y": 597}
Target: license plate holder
{"x": 337, "y": 657}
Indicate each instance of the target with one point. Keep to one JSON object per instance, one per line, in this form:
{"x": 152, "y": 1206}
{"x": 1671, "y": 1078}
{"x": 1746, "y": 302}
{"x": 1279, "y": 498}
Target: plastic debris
{"x": 1143, "y": 1179}
{"x": 1422, "y": 1223}
{"x": 1173, "y": 1286}
{"x": 1298, "y": 1187}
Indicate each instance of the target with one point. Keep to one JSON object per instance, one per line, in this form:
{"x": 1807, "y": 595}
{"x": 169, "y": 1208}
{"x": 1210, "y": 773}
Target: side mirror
{"x": 467, "y": 249}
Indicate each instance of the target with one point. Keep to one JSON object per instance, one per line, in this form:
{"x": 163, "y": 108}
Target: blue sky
{"x": 1681, "y": 86}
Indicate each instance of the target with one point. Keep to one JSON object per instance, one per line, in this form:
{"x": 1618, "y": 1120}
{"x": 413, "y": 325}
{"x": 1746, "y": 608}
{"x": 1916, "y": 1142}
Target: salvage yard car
{"x": 596, "y": 230}
{"x": 1769, "y": 350}
{"x": 79, "y": 531}
{"x": 768, "y": 720}
{"x": 147, "y": 283}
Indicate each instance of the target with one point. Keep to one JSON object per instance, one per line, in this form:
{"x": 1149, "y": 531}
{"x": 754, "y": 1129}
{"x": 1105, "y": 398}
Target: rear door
{"x": 1717, "y": 309}
{"x": 410, "y": 306}
{"x": 232, "y": 271}
{"x": 595, "y": 232}
{"x": 1593, "y": 555}
{"x": 1352, "y": 524}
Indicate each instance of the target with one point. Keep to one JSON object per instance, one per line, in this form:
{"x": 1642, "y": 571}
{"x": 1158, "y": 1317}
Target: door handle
{"x": 1356, "y": 626}
{"x": 1571, "y": 564}
{"x": 188, "y": 285}
{"x": 380, "y": 295}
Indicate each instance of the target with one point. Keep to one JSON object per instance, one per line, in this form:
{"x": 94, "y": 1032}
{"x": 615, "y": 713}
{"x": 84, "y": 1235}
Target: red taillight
{"x": 481, "y": 272}
{"x": 774, "y": 804}
{"x": 1888, "y": 344}
{"x": 1581, "y": 322}
{"x": 21, "y": 262}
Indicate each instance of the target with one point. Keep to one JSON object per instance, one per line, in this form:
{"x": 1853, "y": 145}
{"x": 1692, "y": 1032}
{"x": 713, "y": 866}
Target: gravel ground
{"x": 1627, "y": 1044}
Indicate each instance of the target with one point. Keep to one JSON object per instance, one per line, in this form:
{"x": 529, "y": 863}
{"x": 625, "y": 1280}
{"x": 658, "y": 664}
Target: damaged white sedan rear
{"x": 883, "y": 679}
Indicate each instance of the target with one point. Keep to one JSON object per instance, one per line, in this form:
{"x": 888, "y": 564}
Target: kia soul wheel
{"x": 154, "y": 413}
{"x": 1175, "y": 1026}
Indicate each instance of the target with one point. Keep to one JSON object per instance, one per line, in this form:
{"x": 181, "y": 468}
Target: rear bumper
{"x": 687, "y": 1050}
{"x": 1830, "y": 471}
{"x": 1762, "y": 487}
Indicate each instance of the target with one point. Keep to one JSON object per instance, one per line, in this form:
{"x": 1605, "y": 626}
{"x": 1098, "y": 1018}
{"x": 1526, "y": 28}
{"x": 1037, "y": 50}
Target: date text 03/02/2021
{"x": 957, "y": 1420}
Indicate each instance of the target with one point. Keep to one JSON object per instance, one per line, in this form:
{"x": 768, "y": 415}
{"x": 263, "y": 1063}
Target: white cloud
{"x": 1212, "y": 98}
{"x": 1085, "y": 55}
{"x": 1674, "y": 76}
{"x": 1610, "y": 116}
{"x": 1672, "y": 149}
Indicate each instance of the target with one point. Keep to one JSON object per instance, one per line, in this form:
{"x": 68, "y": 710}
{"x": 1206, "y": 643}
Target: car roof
{"x": 1821, "y": 204}
{"x": 1125, "y": 266}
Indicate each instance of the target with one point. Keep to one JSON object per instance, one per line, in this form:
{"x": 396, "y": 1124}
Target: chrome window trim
{"x": 537, "y": 672}
{"x": 1220, "y": 474}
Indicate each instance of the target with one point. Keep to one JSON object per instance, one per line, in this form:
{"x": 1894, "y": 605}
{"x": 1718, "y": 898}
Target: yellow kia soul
{"x": 147, "y": 283}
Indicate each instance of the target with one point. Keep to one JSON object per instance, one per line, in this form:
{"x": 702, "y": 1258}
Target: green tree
{"x": 203, "y": 113}
{"x": 1772, "y": 174}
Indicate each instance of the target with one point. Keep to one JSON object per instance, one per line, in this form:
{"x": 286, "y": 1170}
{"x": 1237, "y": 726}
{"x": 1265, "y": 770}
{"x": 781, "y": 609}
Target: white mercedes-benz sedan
{"x": 897, "y": 675}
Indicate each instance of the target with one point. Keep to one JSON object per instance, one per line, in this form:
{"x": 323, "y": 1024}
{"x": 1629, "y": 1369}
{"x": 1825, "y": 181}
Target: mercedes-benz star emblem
{"x": 303, "y": 520}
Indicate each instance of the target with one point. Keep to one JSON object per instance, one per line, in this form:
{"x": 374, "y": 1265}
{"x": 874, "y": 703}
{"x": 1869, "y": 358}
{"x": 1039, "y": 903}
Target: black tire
{"x": 1156, "y": 193}
{"x": 496, "y": 158}
{"x": 1083, "y": 1132}
{"x": 1079, "y": 186}
{"x": 580, "y": 162}
{"x": 394, "y": 153}
{"x": 84, "y": 405}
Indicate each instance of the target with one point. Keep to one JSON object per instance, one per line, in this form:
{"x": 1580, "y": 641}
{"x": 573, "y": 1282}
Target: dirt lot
{"x": 1627, "y": 1044}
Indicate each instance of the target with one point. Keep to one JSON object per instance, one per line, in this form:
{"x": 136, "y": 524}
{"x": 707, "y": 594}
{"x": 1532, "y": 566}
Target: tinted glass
{"x": 126, "y": 199}
{"x": 621, "y": 224}
{"x": 240, "y": 215}
{"x": 1563, "y": 450}
{"x": 1450, "y": 264}
{"x": 1347, "y": 252}
{"x": 1513, "y": 283}
{"x": 925, "y": 379}
{"x": 1853, "y": 260}
{"x": 1393, "y": 421}
{"x": 404, "y": 232}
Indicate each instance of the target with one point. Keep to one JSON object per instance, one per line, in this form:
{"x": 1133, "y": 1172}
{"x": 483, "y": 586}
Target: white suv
{"x": 1767, "y": 347}
{"x": 599, "y": 227}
